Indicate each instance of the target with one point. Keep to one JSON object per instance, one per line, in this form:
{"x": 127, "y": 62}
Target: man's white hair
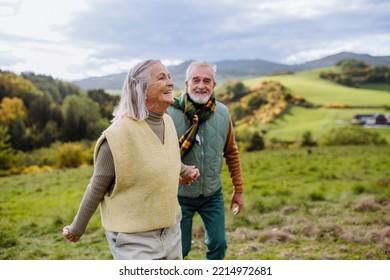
{"x": 213, "y": 67}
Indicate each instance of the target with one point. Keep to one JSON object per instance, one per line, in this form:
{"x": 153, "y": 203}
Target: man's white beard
{"x": 200, "y": 99}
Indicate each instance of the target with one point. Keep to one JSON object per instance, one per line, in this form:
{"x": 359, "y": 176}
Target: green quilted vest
{"x": 207, "y": 152}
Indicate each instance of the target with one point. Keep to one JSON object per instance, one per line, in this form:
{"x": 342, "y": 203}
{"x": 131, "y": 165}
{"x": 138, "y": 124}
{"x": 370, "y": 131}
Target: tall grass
{"x": 332, "y": 203}
{"x": 35, "y": 207}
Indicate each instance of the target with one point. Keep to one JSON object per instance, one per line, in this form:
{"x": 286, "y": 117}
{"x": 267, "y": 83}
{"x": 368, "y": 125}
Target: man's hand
{"x": 237, "y": 198}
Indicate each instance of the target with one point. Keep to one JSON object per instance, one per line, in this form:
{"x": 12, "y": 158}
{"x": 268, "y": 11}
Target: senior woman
{"x": 136, "y": 172}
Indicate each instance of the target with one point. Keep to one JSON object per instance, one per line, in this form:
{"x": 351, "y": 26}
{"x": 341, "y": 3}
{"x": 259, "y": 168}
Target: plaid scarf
{"x": 195, "y": 115}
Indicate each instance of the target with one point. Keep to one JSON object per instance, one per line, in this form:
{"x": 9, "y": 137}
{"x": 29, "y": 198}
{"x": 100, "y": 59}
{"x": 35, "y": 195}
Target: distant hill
{"x": 332, "y": 59}
{"x": 235, "y": 70}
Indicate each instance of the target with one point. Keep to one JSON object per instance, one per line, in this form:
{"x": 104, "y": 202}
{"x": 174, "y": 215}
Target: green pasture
{"x": 296, "y": 120}
{"x": 114, "y": 91}
{"x": 378, "y": 86}
{"x": 319, "y": 91}
{"x": 35, "y": 207}
{"x": 333, "y": 203}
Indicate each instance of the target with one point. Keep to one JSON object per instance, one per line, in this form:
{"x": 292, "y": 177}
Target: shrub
{"x": 237, "y": 112}
{"x": 70, "y": 155}
{"x": 352, "y": 136}
{"x": 307, "y": 139}
{"x": 36, "y": 169}
{"x": 256, "y": 142}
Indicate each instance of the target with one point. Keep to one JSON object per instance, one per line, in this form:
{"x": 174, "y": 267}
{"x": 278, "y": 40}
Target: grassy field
{"x": 296, "y": 120}
{"x": 331, "y": 204}
{"x": 114, "y": 91}
{"x": 310, "y": 86}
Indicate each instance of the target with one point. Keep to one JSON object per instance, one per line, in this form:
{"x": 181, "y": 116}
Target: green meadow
{"x": 333, "y": 203}
{"x": 310, "y": 86}
{"x": 296, "y": 120}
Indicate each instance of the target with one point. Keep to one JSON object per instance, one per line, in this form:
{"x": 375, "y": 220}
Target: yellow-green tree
{"x": 11, "y": 110}
{"x": 5, "y": 149}
{"x": 12, "y": 85}
{"x": 82, "y": 119}
{"x": 13, "y": 114}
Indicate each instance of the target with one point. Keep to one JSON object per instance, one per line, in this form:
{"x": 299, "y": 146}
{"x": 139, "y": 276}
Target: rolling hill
{"x": 234, "y": 70}
{"x": 329, "y": 96}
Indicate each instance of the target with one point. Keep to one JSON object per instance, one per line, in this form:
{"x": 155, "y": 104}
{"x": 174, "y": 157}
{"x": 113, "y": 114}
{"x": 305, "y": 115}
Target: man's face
{"x": 200, "y": 84}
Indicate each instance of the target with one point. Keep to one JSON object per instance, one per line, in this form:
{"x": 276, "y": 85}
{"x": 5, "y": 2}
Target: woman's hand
{"x": 194, "y": 174}
{"x": 69, "y": 236}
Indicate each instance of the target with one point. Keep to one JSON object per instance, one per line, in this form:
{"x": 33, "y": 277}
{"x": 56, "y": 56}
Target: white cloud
{"x": 303, "y": 8}
{"x": 370, "y": 44}
{"x": 38, "y": 18}
{"x": 49, "y": 58}
{"x": 75, "y": 39}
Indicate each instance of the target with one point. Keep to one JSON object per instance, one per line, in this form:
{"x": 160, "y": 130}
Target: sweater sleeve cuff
{"x": 238, "y": 189}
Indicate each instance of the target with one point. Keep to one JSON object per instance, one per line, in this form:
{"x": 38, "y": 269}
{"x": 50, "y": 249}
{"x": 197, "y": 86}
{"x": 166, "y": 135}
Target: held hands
{"x": 69, "y": 236}
{"x": 194, "y": 174}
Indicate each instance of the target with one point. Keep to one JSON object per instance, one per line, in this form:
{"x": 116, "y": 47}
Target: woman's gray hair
{"x": 213, "y": 67}
{"x": 132, "y": 102}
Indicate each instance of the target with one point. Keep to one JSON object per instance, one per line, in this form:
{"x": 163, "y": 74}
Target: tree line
{"x": 354, "y": 73}
{"x": 38, "y": 110}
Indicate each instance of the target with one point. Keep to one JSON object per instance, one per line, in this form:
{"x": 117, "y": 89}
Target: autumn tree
{"x": 57, "y": 90}
{"x": 5, "y": 148}
{"x": 12, "y": 109}
{"x": 82, "y": 119}
{"x": 39, "y": 112}
{"x": 12, "y": 85}
{"x": 106, "y": 101}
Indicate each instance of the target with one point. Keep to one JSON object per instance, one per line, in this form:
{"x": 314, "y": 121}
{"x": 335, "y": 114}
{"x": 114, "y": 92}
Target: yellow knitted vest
{"x": 147, "y": 175}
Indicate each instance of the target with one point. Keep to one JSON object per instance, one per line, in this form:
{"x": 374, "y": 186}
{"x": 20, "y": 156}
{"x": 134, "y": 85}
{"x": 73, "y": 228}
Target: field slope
{"x": 331, "y": 204}
{"x": 296, "y": 120}
{"x": 310, "y": 86}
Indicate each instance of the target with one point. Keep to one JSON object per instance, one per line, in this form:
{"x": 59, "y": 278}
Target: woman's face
{"x": 160, "y": 88}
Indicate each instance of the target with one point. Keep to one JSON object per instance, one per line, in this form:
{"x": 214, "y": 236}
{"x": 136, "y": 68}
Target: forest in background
{"x": 37, "y": 112}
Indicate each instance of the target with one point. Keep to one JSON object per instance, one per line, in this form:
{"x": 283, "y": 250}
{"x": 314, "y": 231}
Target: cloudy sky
{"x": 75, "y": 39}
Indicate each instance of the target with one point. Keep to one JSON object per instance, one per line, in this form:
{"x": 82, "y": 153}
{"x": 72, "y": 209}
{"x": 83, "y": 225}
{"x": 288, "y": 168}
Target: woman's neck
{"x": 156, "y": 123}
{"x": 155, "y": 117}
